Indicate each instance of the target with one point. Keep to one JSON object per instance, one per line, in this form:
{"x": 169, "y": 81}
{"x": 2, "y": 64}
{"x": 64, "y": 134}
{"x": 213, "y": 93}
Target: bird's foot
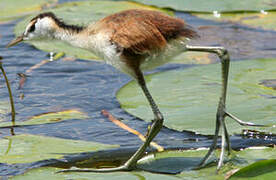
{"x": 244, "y": 123}
{"x": 102, "y": 170}
{"x": 225, "y": 143}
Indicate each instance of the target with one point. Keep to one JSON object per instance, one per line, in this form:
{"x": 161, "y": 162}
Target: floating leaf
{"x": 170, "y": 161}
{"x": 27, "y": 148}
{"x": 51, "y": 117}
{"x": 265, "y": 20}
{"x": 12, "y": 9}
{"x": 50, "y": 173}
{"x": 264, "y": 169}
{"x": 213, "y": 5}
{"x": 81, "y": 13}
{"x": 188, "y": 98}
{"x": 185, "y": 161}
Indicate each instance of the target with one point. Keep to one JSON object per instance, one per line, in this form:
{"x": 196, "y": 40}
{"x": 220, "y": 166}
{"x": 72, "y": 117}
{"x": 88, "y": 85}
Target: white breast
{"x": 100, "y": 44}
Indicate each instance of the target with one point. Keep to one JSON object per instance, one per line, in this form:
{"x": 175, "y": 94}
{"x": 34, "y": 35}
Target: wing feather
{"x": 143, "y": 31}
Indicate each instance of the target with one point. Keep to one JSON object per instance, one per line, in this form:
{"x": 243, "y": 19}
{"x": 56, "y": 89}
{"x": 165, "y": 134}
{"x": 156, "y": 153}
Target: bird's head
{"x": 40, "y": 27}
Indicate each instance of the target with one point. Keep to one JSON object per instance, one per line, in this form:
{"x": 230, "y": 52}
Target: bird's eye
{"x": 32, "y": 28}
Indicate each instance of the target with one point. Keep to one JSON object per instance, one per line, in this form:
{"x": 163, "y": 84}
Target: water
{"x": 91, "y": 87}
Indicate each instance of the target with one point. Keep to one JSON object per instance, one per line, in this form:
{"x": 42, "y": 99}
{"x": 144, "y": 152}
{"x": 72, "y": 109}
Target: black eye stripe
{"x": 32, "y": 28}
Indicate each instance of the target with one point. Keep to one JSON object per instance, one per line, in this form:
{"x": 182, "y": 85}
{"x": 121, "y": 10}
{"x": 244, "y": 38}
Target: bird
{"x": 135, "y": 41}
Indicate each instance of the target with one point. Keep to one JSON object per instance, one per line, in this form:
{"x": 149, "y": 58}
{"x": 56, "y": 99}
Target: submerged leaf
{"x": 57, "y": 116}
{"x": 51, "y": 117}
{"x": 188, "y": 98}
{"x": 27, "y": 148}
{"x": 12, "y": 9}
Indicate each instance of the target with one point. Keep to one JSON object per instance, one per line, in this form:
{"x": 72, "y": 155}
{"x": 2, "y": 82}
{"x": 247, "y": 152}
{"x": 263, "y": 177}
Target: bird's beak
{"x": 15, "y": 41}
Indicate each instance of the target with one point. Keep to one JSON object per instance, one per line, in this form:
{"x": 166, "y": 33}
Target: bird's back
{"x": 138, "y": 34}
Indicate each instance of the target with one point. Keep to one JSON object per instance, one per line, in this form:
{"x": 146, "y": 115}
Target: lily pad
{"x": 27, "y": 148}
{"x": 185, "y": 161}
{"x": 169, "y": 161}
{"x": 188, "y": 98}
{"x": 51, "y": 117}
{"x": 81, "y": 13}
{"x": 213, "y": 5}
{"x": 12, "y": 9}
{"x": 264, "y": 169}
{"x": 50, "y": 173}
{"x": 264, "y": 20}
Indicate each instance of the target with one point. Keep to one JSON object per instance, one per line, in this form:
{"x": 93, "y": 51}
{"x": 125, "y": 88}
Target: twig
{"x": 52, "y": 58}
{"x": 22, "y": 80}
{"x": 125, "y": 127}
{"x": 23, "y": 76}
{"x": 37, "y": 65}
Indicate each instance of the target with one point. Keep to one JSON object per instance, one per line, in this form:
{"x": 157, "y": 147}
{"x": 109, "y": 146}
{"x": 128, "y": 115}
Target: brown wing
{"x": 138, "y": 33}
{"x": 139, "y": 36}
{"x": 143, "y": 31}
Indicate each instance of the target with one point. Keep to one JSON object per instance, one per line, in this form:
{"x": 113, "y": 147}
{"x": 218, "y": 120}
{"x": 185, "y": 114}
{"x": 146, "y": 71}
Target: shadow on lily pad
{"x": 171, "y": 165}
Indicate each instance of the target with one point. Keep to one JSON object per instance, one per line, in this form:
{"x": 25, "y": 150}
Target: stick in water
{"x": 125, "y": 127}
{"x": 10, "y": 94}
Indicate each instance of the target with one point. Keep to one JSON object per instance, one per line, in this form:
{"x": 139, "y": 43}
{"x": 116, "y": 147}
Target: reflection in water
{"x": 9, "y": 147}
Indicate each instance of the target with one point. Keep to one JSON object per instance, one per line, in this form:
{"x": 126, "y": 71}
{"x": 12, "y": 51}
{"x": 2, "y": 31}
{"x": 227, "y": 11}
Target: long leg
{"x": 156, "y": 126}
{"x": 212, "y": 147}
{"x": 227, "y": 138}
{"x": 221, "y": 112}
{"x": 224, "y": 57}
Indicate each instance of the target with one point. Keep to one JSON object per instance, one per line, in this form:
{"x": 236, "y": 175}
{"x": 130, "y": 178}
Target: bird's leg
{"x": 221, "y": 113}
{"x": 227, "y": 138}
{"x": 213, "y": 145}
{"x": 154, "y": 129}
{"x": 156, "y": 126}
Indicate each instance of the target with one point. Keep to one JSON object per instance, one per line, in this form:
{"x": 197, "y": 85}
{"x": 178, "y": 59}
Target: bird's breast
{"x": 156, "y": 59}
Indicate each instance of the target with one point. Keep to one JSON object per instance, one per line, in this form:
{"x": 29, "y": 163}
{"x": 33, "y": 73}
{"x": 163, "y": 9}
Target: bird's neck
{"x": 89, "y": 38}
{"x": 74, "y": 35}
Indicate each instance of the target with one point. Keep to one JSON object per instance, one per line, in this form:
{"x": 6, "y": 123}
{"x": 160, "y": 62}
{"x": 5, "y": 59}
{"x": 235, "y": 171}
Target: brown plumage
{"x": 141, "y": 31}
{"x": 138, "y": 33}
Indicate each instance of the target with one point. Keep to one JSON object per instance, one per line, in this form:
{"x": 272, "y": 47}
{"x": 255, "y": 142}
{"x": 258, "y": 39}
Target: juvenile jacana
{"x": 134, "y": 41}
